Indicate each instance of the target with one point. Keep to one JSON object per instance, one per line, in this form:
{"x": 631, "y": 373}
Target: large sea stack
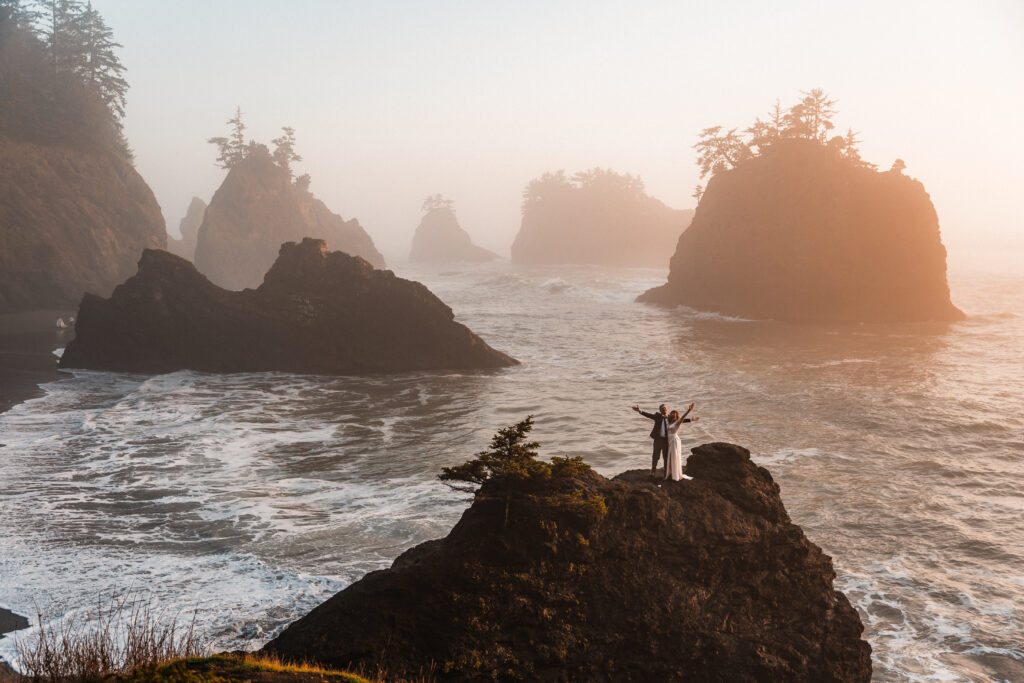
{"x": 185, "y": 247}
{"x": 317, "y": 312}
{"x": 598, "y": 217}
{"x": 74, "y": 213}
{"x": 589, "y": 579}
{"x": 440, "y": 239}
{"x": 255, "y": 210}
{"x": 799, "y": 233}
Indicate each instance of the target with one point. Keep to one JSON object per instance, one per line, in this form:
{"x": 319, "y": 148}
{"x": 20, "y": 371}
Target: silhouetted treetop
{"x": 810, "y": 119}
{"x": 438, "y": 202}
{"x": 555, "y": 186}
{"x": 233, "y": 148}
{"x": 60, "y": 77}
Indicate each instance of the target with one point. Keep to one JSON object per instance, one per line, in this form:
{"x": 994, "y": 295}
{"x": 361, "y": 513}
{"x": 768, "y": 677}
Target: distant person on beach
{"x": 665, "y": 435}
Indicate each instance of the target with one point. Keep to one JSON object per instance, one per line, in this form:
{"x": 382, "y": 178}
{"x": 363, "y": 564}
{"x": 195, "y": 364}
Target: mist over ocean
{"x": 898, "y": 448}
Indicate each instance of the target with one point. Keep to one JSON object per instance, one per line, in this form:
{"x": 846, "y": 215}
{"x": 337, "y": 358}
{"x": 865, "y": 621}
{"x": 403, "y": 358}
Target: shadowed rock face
{"x": 702, "y": 580}
{"x": 254, "y": 211}
{"x": 317, "y": 312}
{"x": 189, "y": 229}
{"x": 74, "y": 213}
{"x": 798, "y": 234}
{"x": 440, "y": 239}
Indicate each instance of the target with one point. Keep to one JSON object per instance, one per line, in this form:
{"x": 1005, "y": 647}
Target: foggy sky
{"x": 392, "y": 101}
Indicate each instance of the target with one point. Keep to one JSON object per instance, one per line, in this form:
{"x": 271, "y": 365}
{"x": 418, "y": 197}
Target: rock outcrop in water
{"x": 597, "y": 217}
{"x": 317, "y": 312}
{"x": 189, "y": 229}
{"x": 440, "y": 239}
{"x": 258, "y": 208}
{"x": 74, "y": 213}
{"x": 801, "y": 234}
{"x": 591, "y": 579}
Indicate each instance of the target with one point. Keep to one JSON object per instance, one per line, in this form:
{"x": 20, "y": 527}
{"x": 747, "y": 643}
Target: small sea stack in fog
{"x": 317, "y": 312}
{"x": 566, "y": 575}
{"x": 794, "y": 226}
{"x": 74, "y": 212}
{"x": 185, "y": 247}
{"x": 596, "y": 217}
{"x": 440, "y": 239}
{"x": 257, "y": 208}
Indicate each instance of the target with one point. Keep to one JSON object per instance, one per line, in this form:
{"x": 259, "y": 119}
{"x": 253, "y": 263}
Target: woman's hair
{"x": 673, "y": 416}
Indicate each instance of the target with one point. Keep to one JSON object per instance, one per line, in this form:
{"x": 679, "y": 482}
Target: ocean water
{"x": 252, "y": 498}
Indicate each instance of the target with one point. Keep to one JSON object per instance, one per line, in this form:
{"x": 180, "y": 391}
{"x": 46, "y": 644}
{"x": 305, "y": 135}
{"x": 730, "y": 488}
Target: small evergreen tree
{"x": 284, "y": 150}
{"x": 898, "y": 166}
{"x": 232, "y": 149}
{"x": 510, "y": 456}
{"x": 717, "y": 152}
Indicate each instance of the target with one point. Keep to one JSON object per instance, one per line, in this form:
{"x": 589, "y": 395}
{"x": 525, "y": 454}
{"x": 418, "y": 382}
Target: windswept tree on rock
{"x": 437, "y": 202}
{"x": 717, "y": 151}
{"x": 811, "y": 119}
{"x": 284, "y": 150}
{"x": 234, "y": 148}
{"x": 511, "y": 459}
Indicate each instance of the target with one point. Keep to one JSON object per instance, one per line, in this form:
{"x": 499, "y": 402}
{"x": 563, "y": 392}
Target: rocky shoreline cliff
{"x": 75, "y": 214}
{"x": 585, "y": 578}
{"x": 317, "y": 312}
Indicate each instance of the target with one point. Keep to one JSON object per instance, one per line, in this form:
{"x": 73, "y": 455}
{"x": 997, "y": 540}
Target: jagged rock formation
{"x": 317, "y": 312}
{"x": 440, "y": 239}
{"x": 598, "y": 217}
{"x": 74, "y": 214}
{"x": 256, "y": 209}
{"x": 800, "y": 234}
{"x": 189, "y": 230}
{"x": 591, "y": 579}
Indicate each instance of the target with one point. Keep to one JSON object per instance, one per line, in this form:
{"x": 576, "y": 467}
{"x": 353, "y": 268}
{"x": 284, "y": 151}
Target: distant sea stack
{"x": 74, "y": 213}
{"x": 256, "y": 209}
{"x": 440, "y": 239}
{"x": 317, "y": 312}
{"x": 596, "y": 217}
{"x": 796, "y": 228}
{"x": 587, "y": 579}
{"x": 189, "y": 229}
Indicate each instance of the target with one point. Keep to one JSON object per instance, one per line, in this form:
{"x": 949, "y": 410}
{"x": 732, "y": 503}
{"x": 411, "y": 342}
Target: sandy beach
{"x": 27, "y": 341}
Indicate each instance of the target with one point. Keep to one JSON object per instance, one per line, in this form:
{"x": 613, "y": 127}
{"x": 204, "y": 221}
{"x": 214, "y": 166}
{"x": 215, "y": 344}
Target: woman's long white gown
{"x": 675, "y": 450}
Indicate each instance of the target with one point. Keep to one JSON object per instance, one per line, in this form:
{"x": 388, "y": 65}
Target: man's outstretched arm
{"x": 649, "y": 416}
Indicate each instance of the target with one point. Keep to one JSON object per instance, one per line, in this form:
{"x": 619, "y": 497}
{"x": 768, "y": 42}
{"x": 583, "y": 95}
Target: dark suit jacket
{"x": 658, "y": 419}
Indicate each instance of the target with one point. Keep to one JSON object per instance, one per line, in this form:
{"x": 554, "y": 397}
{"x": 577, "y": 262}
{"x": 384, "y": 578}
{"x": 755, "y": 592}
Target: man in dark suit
{"x": 659, "y": 434}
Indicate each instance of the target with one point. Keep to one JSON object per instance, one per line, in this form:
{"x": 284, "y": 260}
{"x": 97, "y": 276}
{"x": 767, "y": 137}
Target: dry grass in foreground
{"x": 123, "y": 640}
{"x": 120, "y": 635}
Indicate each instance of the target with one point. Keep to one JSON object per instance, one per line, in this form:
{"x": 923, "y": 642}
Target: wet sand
{"x": 27, "y": 341}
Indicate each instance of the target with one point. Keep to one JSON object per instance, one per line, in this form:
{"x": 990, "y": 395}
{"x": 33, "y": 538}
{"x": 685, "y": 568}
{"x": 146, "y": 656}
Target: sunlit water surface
{"x": 899, "y": 449}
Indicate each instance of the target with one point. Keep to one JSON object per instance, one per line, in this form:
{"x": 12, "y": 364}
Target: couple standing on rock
{"x": 666, "y": 439}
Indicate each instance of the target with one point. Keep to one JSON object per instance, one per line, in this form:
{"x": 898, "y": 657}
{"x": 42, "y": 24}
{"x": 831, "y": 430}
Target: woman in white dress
{"x": 674, "y": 470}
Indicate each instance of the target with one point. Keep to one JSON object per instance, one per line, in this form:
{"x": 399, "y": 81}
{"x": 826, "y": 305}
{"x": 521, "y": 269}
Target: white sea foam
{"x": 256, "y": 496}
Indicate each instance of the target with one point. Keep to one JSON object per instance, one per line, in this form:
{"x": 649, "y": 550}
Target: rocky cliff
{"x": 589, "y": 579}
{"x": 188, "y": 228}
{"x": 598, "y": 217}
{"x": 74, "y": 213}
{"x": 800, "y": 234}
{"x": 255, "y": 210}
{"x": 317, "y": 312}
{"x": 440, "y": 239}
